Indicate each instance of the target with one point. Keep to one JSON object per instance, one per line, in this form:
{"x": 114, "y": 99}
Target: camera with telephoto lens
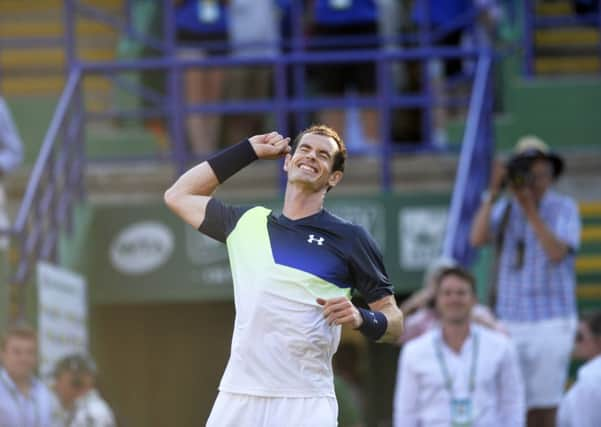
{"x": 518, "y": 171}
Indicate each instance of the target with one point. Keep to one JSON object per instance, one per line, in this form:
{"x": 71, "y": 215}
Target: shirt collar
{"x": 11, "y": 384}
{"x": 466, "y": 343}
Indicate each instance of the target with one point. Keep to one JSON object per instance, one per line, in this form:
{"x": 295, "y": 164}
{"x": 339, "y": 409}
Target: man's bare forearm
{"x": 394, "y": 317}
{"x": 479, "y": 234}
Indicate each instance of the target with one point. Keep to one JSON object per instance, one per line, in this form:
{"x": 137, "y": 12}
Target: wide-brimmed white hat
{"x": 531, "y": 146}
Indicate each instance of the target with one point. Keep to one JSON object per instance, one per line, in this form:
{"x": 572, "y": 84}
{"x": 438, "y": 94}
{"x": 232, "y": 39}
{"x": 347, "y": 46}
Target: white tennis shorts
{"x": 544, "y": 349}
{"x": 241, "y": 410}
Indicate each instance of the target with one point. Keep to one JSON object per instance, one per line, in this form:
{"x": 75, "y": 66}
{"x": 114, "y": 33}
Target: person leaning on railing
{"x": 202, "y": 31}
{"x": 11, "y": 156}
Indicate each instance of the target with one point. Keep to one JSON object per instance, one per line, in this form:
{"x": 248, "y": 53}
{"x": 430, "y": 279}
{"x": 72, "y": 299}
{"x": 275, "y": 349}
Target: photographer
{"x": 536, "y": 232}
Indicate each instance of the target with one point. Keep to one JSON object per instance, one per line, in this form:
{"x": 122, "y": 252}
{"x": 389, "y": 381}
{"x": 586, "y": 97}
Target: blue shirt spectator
{"x": 11, "y": 148}
{"x": 540, "y": 289}
{"x": 18, "y": 409}
{"x": 11, "y": 156}
{"x": 24, "y": 400}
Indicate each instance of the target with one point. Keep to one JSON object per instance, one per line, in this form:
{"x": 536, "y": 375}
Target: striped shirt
{"x": 530, "y": 286}
{"x": 11, "y": 148}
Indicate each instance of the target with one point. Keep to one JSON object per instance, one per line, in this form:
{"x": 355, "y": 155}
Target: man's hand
{"x": 340, "y": 311}
{"x": 270, "y": 145}
{"x": 525, "y": 198}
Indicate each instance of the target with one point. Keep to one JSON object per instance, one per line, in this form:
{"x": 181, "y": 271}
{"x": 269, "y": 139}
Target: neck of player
{"x": 300, "y": 202}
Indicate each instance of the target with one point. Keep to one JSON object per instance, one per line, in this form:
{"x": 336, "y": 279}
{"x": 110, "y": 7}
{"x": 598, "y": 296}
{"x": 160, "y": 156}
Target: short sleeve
{"x": 567, "y": 225}
{"x": 220, "y": 219}
{"x": 367, "y": 266}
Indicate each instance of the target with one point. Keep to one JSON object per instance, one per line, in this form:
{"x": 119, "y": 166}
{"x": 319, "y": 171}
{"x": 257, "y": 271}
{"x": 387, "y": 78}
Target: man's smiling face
{"x": 312, "y": 161}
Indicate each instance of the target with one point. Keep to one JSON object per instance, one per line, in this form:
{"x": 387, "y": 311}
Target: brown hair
{"x": 460, "y": 272}
{"x": 18, "y": 331}
{"x": 593, "y": 320}
{"x": 339, "y": 157}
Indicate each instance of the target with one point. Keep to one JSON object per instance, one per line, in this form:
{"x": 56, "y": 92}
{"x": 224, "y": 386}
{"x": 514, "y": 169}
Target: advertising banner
{"x": 62, "y": 315}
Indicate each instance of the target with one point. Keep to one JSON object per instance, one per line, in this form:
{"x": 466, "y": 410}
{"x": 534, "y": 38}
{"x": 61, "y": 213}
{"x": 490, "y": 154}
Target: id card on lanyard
{"x": 340, "y": 4}
{"x": 208, "y": 11}
{"x": 461, "y": 409}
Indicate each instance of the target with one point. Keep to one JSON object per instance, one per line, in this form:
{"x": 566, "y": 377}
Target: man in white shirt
{"x": 459, "y": 374}
{"x": 581, "y": 406}
{"x": 24, "y": 400}
{"x": 79, "y": 404}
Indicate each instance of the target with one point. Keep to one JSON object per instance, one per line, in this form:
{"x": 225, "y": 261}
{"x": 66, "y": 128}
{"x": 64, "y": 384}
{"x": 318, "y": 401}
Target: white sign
{"x": 142, "y": 248}
{"x": 62, "y": 315}
{"x": 421, "y": 236}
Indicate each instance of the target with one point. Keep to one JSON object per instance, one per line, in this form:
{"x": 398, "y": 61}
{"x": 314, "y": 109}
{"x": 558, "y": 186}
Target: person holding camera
{"x": 78, "y": 403}
{"x": 536, "y": 232}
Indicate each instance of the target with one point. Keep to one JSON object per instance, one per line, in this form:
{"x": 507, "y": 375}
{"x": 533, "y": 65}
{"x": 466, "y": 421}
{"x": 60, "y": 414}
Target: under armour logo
{"x": 312, "y": 239}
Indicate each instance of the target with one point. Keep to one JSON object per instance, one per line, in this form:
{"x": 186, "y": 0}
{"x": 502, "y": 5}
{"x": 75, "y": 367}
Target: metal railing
{"x": 55, "y": 184}
{"x": 473, "y": 170}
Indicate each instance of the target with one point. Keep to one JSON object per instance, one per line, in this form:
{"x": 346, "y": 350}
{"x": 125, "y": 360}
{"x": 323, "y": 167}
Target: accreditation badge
{"x": 208, "y": 11}
{"x": 461, "y": 412}
{"x": 340, "y": 4}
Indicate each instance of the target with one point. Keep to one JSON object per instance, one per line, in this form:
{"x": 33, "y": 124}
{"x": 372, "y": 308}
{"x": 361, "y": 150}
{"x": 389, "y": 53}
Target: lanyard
{"x": 22, "y": 410}
{"x": 448, "y": 381}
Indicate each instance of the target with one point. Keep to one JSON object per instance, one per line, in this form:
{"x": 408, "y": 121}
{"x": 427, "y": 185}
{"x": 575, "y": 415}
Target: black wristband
{"x": 229, "y": 161}
{"x": 374, "y": 324}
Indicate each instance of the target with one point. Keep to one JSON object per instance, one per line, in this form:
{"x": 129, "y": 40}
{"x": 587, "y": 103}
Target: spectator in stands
{"x": 458, "y": 374}
{"x": 202, "y": 30}
{"x": 420, "y": 306}
{"x": 537, "y": 233}
{"x": 580, "y": 407}
{"x": 444, "y": 21}
{"x": 253, "y": 32}
{"x": 346, "y": 25}
{"x": 78, "y": 402}
{"x": 11, "y": 156}
{"x": 24, "y": 400}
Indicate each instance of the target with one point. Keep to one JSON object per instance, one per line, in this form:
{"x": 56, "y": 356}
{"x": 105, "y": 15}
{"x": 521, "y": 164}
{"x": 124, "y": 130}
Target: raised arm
{"x": 555, "y": 248}
{"x": 189, "y": 195}
{"x": 479, "y": 233}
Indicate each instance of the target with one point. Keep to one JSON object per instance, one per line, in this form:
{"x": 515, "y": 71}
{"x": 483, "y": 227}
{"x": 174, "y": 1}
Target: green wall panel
{"x": 143, "y": 253}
